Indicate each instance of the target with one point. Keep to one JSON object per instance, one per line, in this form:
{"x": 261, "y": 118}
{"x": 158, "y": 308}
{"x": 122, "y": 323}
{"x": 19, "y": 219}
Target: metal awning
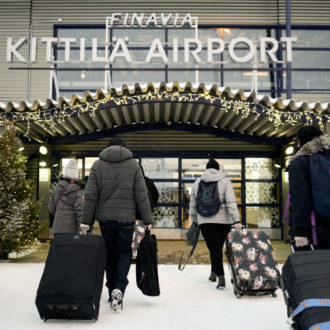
{"x": 220, "y": 109}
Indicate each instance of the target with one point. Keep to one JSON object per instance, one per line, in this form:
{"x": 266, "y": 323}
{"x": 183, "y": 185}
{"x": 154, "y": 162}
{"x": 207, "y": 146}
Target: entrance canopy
{"x": 236, "y": 112}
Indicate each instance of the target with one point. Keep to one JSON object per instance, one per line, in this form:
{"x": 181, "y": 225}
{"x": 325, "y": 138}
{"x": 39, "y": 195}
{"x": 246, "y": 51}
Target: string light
{"x": 52, "y": 117}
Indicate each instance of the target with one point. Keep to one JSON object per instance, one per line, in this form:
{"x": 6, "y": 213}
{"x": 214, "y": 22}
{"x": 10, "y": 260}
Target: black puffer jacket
{"x": 115, "y": 188}
{"x": 301, "y": 189}
{"x": 68, "y": 211}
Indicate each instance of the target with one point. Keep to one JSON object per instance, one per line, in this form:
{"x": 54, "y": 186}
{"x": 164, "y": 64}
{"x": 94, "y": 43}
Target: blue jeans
{"x": 118, "y": 238}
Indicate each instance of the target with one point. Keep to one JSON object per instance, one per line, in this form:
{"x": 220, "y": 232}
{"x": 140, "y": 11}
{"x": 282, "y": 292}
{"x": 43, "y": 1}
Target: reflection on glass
{"x": 161, "y": 168}
{"x": 262, "y": 192}
{"x": 165, "y": 217}
{"x": 260, "y": 168}
{"x": 168, "y": 192}
{"x": 262, "y": 217}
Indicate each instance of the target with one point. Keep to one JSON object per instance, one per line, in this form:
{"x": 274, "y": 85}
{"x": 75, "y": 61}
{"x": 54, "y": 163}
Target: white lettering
{"x": 114, "y": 17}
{"x": 288, "y": 41}
{"x": 270, "y": 52}
{"x": 125, "y": 19}
{"x": 187, "y": 42}
{"x": 213, "y": 51}
{"x": 82, "y": 49}
{"x": 176, "y": 17}
{"x": 245, "y": 58}
{"x": 115, "y": 53}
{"x": 49, "y": 48}
{"x": 187, "y": 20}
{"x": 152, "y": 20}
{"x": 33, "y": 50}
{"x": 175, "y": 49}
{"x": 166, "y": 19}
{"x": 13, "y": 49}
{"x": 156, "y": 45}
{"x": 67, "y": 45}
{"x": 96, "y": 58}
{"x": 138, "y": 19}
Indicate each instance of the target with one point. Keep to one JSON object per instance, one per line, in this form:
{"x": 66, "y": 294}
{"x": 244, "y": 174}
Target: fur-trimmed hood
{"x": 319, "y": 143}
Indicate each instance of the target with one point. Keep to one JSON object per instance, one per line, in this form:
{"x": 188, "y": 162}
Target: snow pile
{"x": 188, "y": 301}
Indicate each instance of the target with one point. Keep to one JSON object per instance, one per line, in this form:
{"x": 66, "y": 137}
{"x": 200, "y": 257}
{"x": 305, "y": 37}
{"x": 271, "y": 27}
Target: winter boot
{"x": 221, "y": 282}
{"x": 116, "y": 303}
{"x": 213, "y": 277}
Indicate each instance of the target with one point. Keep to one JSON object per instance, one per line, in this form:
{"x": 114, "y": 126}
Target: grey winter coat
{"x": 68, "y": 213}
{"x": 115, "y": 188}
{"x": 228, "y": 212}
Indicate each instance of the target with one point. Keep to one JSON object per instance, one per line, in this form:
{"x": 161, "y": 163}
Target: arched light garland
{"x": 54, "y": 116}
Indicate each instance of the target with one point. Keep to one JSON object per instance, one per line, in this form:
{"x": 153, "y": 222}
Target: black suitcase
{"x": 306, "y": 275}
{"x": 252, "y": 263}
{"x": 72, "y": 281}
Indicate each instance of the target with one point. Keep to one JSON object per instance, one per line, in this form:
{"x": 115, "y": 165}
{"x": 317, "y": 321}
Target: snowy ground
{"x": 188, "y": 301}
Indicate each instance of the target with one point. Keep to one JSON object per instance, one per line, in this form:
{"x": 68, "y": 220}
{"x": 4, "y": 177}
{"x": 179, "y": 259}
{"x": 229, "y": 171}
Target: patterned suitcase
{"x": 252, "y": 263}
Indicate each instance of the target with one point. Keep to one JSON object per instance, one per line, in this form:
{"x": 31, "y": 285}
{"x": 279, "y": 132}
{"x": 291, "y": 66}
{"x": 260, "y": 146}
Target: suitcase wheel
{"x": 274, "y": 294}
{"x": 232, "y": 281}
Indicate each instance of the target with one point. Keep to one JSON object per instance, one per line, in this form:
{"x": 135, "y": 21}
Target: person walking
{"x": 311, "y": 140}
{"x": 115, "y": 188}
{"x": 213, "y": 207}
{"x": 66, "y": 201}
{"x": 139, "y": 228}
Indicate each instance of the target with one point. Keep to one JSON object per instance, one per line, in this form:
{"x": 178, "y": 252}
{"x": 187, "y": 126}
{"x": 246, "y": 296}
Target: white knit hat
{"x": 71, "y": 170}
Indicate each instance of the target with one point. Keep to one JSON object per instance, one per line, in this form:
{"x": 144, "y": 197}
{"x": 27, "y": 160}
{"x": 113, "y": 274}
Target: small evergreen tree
{"x": 18, "y": 211}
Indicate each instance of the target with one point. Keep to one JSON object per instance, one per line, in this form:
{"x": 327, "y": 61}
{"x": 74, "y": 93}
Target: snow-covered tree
{"x": 18, "y": 211}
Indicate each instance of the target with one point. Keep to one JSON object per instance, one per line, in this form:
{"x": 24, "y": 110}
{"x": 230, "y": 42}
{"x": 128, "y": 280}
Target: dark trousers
{"x": 215, "y": 235}
{"x": 118, "y": 238}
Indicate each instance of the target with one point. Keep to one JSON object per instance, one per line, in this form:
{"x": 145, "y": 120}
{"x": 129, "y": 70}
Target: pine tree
{"x": 18, "y": 211}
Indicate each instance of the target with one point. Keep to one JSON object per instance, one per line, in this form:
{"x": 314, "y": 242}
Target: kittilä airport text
{"x": 193, "y": 47}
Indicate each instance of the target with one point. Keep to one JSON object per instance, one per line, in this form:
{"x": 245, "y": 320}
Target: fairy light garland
{"x": 55, "y": 116}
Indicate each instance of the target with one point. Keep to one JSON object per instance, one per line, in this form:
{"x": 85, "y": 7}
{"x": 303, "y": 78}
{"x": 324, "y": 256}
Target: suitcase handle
{"x": 292, "y": 245}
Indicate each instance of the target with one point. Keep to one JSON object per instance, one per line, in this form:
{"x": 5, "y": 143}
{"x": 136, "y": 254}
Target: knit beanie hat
{"x": 71, "y": 170}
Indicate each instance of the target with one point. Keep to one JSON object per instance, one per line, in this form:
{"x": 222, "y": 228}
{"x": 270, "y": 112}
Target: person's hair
{"x": 308, "y": 133}
{"x": 117, "y": 141}
{"x": 213, "y": 164}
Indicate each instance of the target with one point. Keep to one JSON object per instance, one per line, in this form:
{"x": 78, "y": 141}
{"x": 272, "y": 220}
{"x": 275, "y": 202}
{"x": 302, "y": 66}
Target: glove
{"x": 148, "y": 227}
{"x": 301, "y": 241}
{"x": 238, "y": 226}
{"x": 84, "y": 229}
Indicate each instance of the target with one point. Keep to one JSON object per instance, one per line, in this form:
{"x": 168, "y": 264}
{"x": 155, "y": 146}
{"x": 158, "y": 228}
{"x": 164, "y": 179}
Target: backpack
{"x": 147, "y": 266}
{"x": 320, "y": 179}
{"x": 207, "y": 201}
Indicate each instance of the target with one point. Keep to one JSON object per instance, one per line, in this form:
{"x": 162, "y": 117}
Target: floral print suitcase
{"x": 139, "y": 230}
{"x": 252, "y": 263}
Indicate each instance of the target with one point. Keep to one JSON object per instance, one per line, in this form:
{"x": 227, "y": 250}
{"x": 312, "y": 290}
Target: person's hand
{"x": 148, "y": 227}
{"x": 300, "y": 241}
{"x": 238, "y": 226}
{"x": 84, "y": 229}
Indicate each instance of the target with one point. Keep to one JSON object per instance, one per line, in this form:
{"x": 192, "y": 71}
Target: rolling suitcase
{"x": 252, "y": 263}
{"x": 306, "y": 288}
{"x": 72, "y": 281}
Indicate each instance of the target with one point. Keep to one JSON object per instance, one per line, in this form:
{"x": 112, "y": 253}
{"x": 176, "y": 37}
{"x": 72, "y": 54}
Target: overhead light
{"x": 43, "y": 150}
{"x": 260, "y": 73}
{"x": 59, "y": 19}
{"x": 277, "y": 165}
{"x": 43, "y": 164}
{"x": 21, "y": 149}
{"x": 83, "y": 74}
{"x": 227, "y": 31}
{"x": 55, "y": 165}
{"x": 289, "y": 150}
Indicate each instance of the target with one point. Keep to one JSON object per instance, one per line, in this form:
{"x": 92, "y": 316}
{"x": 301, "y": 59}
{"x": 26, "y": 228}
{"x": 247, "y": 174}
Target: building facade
{"x": 182, "y": 84}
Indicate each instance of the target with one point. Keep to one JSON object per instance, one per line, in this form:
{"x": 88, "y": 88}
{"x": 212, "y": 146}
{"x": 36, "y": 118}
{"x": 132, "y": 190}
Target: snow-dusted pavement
{"x": 188, "y": 301}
